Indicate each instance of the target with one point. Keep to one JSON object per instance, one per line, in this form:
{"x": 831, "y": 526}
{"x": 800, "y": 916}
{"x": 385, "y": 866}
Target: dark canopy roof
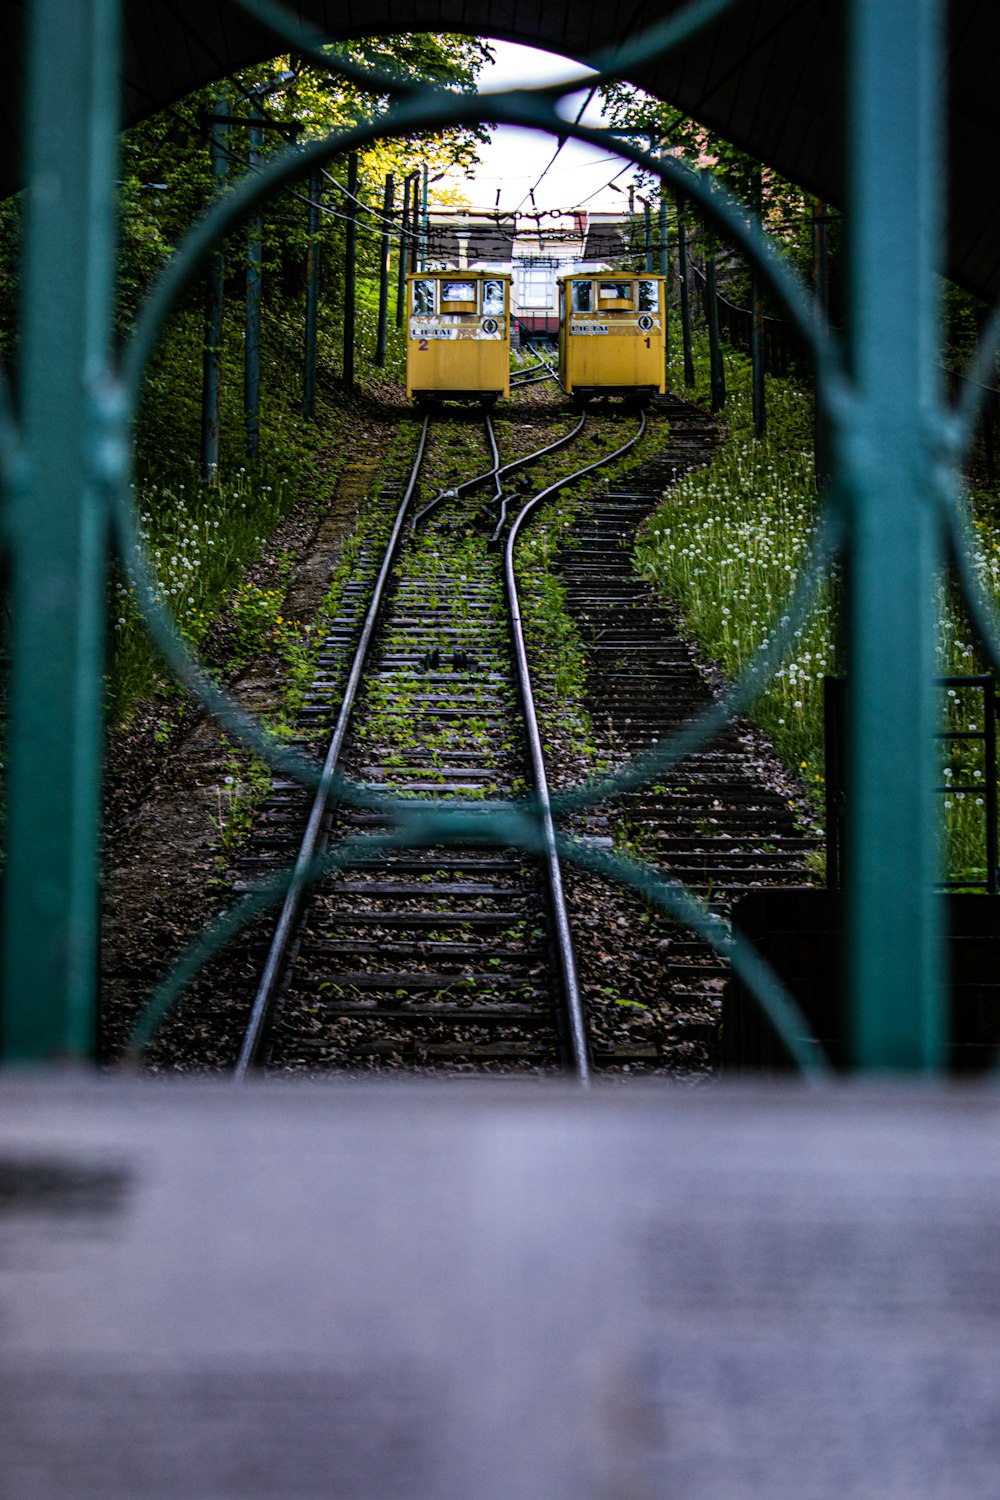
{"x": 768, "y": 76}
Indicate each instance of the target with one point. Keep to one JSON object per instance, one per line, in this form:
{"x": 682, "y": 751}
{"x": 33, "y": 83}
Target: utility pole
{"x": 350, "y": 268}
{"x": 388, "y": 201}
{"x": 312, "y": 296}
{"x": 251, "y": 361}
{"x": 211, "y": 369}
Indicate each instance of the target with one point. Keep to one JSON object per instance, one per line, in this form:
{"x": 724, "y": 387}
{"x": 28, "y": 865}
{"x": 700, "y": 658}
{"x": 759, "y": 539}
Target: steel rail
{"x": 313, "y": 839}
{"x": 565, "y": 954}
{"x": 497, "y": 473}
{"x": 549, "y": 373}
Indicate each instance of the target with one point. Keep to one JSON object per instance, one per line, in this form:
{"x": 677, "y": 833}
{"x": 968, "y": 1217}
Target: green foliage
{"x": 726, "y": 546}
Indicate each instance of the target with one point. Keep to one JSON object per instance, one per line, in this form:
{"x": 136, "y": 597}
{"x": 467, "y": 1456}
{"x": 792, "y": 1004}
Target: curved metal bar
{"x": 498, "y": 473}
{"x": 610, "y": 65}
{"x": 671, "y": 896}
{"x": 467, "y": 484}
{"x": 530, "y": 458}
{"x": 520, "y": 107}
{"x": 162, "y": 628}
{"x": 488, "y": 826}
{"x": 313, "y": 838}
{"x": 565, "y": 954}
{"x": 310, "y": 41}
{"x": 982, "y": 368}
{"x": 963, "y": 547}
{"x": 702, "y": 730}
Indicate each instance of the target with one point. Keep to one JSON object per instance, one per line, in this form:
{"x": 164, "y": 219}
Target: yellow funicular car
{"x": 458, "y": 336}
{"x": 611, "y": 334}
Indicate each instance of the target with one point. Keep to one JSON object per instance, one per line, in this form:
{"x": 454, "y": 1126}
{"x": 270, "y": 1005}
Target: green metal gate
{"x": 891, "y": 512}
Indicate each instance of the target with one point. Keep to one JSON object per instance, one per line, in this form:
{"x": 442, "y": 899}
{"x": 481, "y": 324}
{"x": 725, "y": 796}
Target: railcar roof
{"x": 768, "y": 75}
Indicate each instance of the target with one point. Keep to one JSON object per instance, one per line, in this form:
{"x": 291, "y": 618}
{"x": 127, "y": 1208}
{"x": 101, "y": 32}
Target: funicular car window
{"x": 493, "y": 299}
{"x": 649, "y": 300}
{"x": 582, "y": 301}
{"x": 423, "y": 297}
{"x": 615, "y": 291}
{"x": 457, "y": 291}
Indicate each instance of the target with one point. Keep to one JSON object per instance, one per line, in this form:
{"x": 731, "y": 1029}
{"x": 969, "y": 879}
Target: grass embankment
{"x": 203, "y": 539}
{"x": 726, "y": 546}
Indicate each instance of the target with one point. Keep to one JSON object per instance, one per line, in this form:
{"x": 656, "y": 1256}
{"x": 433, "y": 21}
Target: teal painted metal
{"x": 894, "y": 494}
{"x": 888, "y": 450}
{"x": 57, "y": 533}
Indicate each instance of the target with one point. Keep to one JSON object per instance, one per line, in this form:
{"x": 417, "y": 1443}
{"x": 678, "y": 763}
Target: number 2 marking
{"x": 423, "y": 345}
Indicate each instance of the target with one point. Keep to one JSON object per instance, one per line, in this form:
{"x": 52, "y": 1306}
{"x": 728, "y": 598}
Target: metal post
{"x": 685, "y": 270}
{"x": 664, "y": 230}
{"x": 211, "y": 375}
{"x": 313, "y": 253}
{"x": 821, "y": 295}
{"x": 350, "y": 268}
{"x": 757, "y": 352}
{"x": 388, "y": 199}
{"x": 56, "y": 520}
{"x": 251, "y": 359}
{"x": 894, "y": 954}
{"x": 647, "y": 235}
{"x": 414, "y": 177}
{"x": 424, "y": 220}
{"x": 404, "y": 219}
{"x": 990, "y": 777}
{"x": 717, "y": 370}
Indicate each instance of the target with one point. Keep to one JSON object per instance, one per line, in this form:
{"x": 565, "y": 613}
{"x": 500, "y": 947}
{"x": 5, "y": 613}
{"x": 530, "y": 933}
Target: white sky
{"x": 515, "y": 159}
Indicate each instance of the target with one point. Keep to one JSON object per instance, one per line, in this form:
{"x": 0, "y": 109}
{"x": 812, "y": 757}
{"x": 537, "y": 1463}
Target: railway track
{"x": 717, "y": 822}
{"x": 456, "y": 958}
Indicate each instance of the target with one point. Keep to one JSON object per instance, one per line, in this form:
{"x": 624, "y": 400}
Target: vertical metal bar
{"x": 717, "y": 369}
{"x": 388, "y": 199}
{"x": 685, "y": 270}
{"x": 424, "y": 219}
{"x": 313, "y": 253}
{"x": 404, "y": 217}
{"x": 57, "y": 526}
{"x": 833, "y": 767}
{"x": 647, "y": 234}
{"x": 664, "y": 230}
{"x": 821, "y": 295}
{"x": 757, "y": 329}
{"x": 211, "y": 374}
{"x": 990, "y": 777}
{"x": 251, "y": 356}
{"x": 895, "y": 963}
{"x": 350, "y": 268}
{"x": 414, "y": 216}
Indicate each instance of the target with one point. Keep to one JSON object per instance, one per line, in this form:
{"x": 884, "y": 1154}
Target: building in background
{"x": 534, "y": 247}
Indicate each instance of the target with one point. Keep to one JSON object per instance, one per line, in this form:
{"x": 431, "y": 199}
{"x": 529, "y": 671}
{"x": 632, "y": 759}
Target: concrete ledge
{"x": 363, "y": 1293}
